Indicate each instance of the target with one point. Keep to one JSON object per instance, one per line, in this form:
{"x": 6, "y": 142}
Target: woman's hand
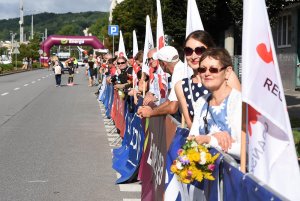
{"x": 200, "y": 139}
{"x": 224, "y": 140}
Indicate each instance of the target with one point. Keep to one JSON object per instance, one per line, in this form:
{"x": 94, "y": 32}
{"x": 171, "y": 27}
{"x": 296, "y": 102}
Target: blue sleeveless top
{"x": 216, "y": 118}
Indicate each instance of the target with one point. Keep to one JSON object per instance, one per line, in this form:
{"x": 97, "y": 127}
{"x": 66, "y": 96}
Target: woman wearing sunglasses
{"x": 190, "y": 89}
{"x": 218, "y": 114}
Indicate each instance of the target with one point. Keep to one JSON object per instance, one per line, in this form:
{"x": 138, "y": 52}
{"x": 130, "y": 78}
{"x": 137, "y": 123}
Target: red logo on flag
{"x": 252, "y": 118}
{"x": 263, "y": 53}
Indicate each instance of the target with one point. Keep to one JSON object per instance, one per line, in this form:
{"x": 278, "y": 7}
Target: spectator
{"x": 169, "y": 61}
{"x": 57, "y": 72}
{"x": 218, "y": 114}
{"x": 190, "y": 89}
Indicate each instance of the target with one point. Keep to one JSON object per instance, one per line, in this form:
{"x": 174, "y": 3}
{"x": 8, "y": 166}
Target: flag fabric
{"x": 121, "y": 50}
{"x": 193, "y": 23}
{"x": 135, "y": 67}
{"x": 147, "y": 45}
{"x": 160, "y": 37}
{"x": 135, "y": 47}
{"x": 193, "y": 19}
{"x": 272, "y": 155}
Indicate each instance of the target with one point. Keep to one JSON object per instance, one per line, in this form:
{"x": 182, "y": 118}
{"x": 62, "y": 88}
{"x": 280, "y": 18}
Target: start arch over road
{"x": 67, "y": 40}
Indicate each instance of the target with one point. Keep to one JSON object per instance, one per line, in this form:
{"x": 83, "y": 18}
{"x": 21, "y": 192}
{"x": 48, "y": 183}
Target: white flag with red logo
{"x": 272, "y": 155}
{"x": 121, "y": 50}
{"x": 160, "y": 37}
{"x": 147, "y": 45}
{"x": 160, "y": 42}
{"x": 135, "y": 66}
{"x": 135, "y": 48}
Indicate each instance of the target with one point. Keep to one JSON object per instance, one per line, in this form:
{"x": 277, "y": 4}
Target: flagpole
{"x": 243, "y": 137}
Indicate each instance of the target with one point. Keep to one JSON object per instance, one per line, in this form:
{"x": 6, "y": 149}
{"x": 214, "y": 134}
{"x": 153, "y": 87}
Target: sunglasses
{"x": 211, "y": 69}
{"x": 148, "y": 60}
{"x": 198, "y": 50}
{"x": 121, "y": 62}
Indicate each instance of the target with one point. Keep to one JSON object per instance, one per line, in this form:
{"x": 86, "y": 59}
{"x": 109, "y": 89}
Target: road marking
{"x": 38, "y": 181}
{"x": 43, "y": 77}
{"x": 33, "y": 82}
{"x": 39, "y": 80}
{"x": 4, "y": 94}
{"x": 131, "y": 199}
{"x": 130, "y": 187}
{"x": 16, "y": 88}
{"x": 25, "y": 85}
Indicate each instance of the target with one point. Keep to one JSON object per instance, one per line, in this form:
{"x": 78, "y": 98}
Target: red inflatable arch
{"x": 67, "y": 40}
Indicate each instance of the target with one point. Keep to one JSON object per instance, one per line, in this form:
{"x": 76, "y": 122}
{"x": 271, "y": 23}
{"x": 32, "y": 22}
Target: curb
{"x": 18, "y": 71}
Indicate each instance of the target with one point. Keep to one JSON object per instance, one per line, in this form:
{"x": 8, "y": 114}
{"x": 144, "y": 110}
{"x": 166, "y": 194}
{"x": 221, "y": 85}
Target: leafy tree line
{"x": 217, "y": 16}
{"x": 64, "y": 24}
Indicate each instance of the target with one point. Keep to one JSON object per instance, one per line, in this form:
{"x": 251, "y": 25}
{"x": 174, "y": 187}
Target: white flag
{"x": 160, "y": 37}
{"x": 121, "y": 50}
{"x": 193, "y": 19}
{"x": 135, "y": 67}
{"x": 147, "y": 45}
{"x": 135, "y": 48}
{"x": 272, "y": 155}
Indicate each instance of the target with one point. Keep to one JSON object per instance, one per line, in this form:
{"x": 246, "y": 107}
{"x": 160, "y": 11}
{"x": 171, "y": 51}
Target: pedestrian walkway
{"x": 293, "y": 104}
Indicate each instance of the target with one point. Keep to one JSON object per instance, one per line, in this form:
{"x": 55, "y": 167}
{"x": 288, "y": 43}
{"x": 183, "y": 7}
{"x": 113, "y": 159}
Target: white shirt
{"x": 179, "y": 73}
{"x": 57, "y": 70}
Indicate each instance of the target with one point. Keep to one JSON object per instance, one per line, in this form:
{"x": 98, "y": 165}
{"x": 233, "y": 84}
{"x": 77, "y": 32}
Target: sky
{"x": 10, "y": 8}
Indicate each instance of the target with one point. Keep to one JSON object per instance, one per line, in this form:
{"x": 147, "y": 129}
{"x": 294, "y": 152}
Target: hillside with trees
{"x": 64, "y": 24}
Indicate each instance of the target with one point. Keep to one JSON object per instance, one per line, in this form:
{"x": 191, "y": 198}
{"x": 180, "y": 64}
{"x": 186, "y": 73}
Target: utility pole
{"x": 21, "y": 22}
{"x": 31, "y": 26}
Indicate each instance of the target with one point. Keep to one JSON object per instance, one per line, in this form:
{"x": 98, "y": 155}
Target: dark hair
{"x": 220, "y": 54}
{"x": 140, "y": 74}
{"x": 110, "y": 61}
{"x": 139, "y": 56}
{"x": 201, "y": 36}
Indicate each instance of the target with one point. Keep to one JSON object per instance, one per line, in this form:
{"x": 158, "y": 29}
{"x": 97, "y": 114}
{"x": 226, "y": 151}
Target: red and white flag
{"x": 272, "y": 155}
{"x": 121, "y": 50}
{"x": 147, "y": 45}
{"x": 135, "y": 67}
{"x": 160, "y": 37}
{"x": 135, "y": 47}
{"x": 160, "y": 42}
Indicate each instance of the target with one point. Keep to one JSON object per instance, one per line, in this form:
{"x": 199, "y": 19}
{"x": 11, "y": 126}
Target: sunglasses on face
{"x": 211, "y": 69}
{"x": 121, "y": 62}
{"x": 198, "y": 50}
{"x": 148, "y": 60}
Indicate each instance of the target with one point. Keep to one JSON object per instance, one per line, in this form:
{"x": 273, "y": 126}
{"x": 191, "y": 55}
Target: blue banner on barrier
{"x": 110, "y": 98}
{"x": 102, "y": 89}
{"x": 238, "y": 186}
{"x": 129, "y": 169}
{"x": 177, "y": 191}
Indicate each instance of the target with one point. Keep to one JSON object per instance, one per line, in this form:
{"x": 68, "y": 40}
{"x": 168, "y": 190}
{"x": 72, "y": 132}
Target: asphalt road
{"x": 53, "y": 143}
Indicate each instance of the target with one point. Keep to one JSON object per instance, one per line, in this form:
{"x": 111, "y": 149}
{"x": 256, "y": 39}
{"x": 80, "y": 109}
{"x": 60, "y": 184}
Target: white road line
{"x": 4, "y": 94}
{"x": 25, "y": 85}
{"x": 38, "y": 181}
{"x": 43, "y": 77}
{"x": 39, "y": 80}
{"x": 130, "y": 187}
{"x": 131, "y": 199}
{"x": 16, "y": 88}
{"x": 33, "y": 82}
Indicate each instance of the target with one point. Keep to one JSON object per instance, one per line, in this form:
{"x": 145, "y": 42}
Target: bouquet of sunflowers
{"x": 194, "y": 162}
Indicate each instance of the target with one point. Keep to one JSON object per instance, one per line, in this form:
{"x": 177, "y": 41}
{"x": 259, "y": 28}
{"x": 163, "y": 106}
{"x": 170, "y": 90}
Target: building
{"x": 286, "y": 35}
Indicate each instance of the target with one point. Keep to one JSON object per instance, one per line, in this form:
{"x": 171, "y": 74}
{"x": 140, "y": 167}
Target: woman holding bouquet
{"x": 217, "y": 118}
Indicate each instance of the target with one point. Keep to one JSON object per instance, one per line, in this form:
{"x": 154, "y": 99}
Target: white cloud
{"x": 10, "y": 8}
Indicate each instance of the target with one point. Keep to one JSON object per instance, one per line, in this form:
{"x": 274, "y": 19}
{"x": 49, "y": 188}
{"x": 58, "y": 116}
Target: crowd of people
{"x": 203, "y": 91}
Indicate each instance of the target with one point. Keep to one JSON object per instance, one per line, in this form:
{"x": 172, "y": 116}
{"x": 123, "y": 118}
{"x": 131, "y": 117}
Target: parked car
{"x": 81, "y": 63}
